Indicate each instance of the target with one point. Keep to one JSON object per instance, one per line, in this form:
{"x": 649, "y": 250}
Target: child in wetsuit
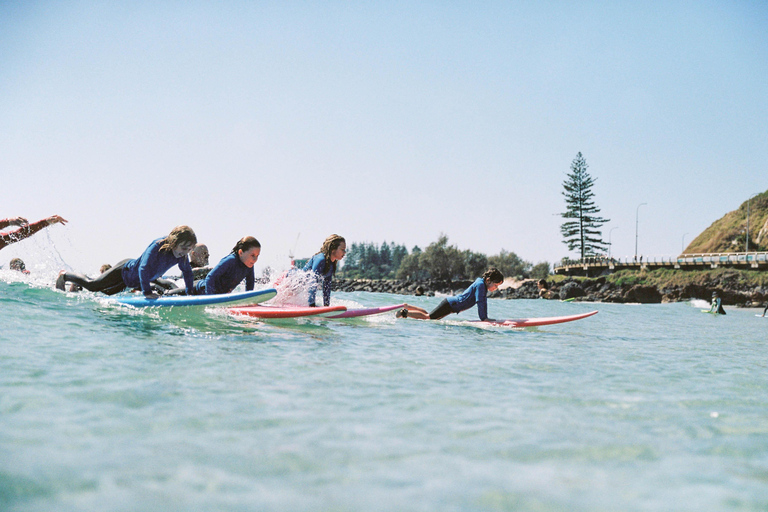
{"x": 161, "y": 255}
{"x": 475, "y": 294}
{"x": 323, "y": 266}
{"x": 232, "y": 269}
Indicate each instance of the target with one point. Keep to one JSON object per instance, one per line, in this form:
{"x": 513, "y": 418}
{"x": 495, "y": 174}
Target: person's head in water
{"x": 493, "y": 279}
{"x": 542, "y": 284}
{"x": 199, "y": 256}
{"x": 18, "y": 265}
{"x": 180, "y": 241}
{"x": 248, "y": 250}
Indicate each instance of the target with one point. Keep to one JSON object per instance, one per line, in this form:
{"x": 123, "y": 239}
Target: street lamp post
{"x": 637, "y": 213}
{"x": 610, "y": 245}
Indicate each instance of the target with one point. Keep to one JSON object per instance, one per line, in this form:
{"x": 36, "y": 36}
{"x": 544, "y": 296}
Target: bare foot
{"x": 61, "y": 280}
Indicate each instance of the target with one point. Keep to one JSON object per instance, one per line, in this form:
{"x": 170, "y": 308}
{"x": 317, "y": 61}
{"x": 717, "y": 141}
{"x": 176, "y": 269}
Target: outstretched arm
{"x": 13, "y": 221}
{"x": 27, "y": 230}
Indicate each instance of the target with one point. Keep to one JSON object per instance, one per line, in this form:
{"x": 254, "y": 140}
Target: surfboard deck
{"x": 354, "y": 313}
{"x": 286, "y": 311}
{"x": 533, "y": 322}
{"x": 251, "y": 297}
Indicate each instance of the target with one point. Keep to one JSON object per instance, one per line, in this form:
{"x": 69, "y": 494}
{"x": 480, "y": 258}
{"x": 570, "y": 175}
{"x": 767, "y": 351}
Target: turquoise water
{"x": 654, "y": 407}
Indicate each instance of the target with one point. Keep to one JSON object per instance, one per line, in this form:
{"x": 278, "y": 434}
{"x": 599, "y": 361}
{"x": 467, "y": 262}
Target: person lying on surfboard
{"x": 475, "y": 294}
{"x": 232, "y": 269}
{"x": 323, "y": 266}
{"x": 161, "y": 255}
{"x": 25, "y": 228}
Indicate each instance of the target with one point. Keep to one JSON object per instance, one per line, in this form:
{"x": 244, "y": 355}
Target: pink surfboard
{"x": 353, "y": 313}
{"x": 285, "y": 311}
{"x": 533, "y": 322}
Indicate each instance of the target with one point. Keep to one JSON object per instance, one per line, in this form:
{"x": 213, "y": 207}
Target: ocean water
{"x": 641, "y": 407}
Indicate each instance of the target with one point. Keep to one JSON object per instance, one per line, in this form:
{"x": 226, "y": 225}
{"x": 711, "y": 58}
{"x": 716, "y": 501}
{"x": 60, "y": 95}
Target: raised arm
{"x": 27, "y": 230}
{"x": 13, "y": 221}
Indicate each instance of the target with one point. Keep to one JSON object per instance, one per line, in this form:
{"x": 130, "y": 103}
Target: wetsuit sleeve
{"x": 186, "y": 271}
{"x": 22, "y": 233}
{"x": 482, "y": 302}
{"x": 146, "y": 264}
{"x": 210, "y": 279}
{"x": 327, "y": 289}
{"x": 315, "y": 269}
{"x": 250, "y": 281}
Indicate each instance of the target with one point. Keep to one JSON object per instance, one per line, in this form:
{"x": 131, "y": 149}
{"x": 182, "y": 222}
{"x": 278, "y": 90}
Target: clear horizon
{"x": 383, "y": 122}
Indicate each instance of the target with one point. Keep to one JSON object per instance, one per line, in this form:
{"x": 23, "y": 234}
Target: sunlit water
{"x": 106, "y": 408}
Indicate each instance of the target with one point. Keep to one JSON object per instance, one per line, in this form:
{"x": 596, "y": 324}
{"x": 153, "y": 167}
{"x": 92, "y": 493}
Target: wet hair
{"x": 17, "y": 264}
{"x": 179, "y": 235}
{"x": 245, "y": 244}
{"x": 331, "y": 244}
{"x": 493, "y": 275}
{"x": 543, "y": 283}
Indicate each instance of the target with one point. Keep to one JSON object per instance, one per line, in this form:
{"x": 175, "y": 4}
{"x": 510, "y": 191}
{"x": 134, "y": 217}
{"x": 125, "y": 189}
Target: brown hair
{"x": 246, "y": 243}
{"x": 493, "y": 275}
{"x": 179, "y": 235}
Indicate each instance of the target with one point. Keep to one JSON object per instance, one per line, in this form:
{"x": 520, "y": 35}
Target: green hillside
{"x": 728, "y": 234}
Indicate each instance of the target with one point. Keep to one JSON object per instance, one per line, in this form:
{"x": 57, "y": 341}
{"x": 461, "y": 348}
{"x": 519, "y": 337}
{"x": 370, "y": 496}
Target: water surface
{"x": 653, "y": 407}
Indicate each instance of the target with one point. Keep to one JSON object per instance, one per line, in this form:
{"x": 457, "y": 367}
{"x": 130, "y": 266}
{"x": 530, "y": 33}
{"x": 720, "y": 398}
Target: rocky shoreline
{"x": 599, "y": 289}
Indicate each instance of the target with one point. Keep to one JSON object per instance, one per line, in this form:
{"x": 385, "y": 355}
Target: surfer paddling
{"x": 25, "y": 228}
{"x": 232, "y": 269}
{"x": 476, "y": 294}
{"x": 161, "y": 255}
{"x": 323, "y": 266}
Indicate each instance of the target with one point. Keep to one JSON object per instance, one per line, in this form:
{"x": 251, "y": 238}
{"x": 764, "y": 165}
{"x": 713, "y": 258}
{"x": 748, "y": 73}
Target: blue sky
{"x": 379, "y": 121}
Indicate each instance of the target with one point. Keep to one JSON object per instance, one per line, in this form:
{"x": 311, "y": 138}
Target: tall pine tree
{"x": 582, "y": 232}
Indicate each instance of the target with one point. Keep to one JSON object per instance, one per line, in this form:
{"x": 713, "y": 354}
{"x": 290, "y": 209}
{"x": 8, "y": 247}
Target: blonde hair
{"x": 179, "y": 235}
{"x": 331, "y": 244}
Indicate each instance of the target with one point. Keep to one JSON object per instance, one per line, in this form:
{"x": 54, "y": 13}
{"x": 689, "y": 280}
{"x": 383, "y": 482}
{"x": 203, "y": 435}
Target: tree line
{"x": 438, "y": 261}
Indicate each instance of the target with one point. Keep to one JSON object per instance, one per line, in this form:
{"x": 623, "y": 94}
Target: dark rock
{"x": 571, "y": 290}
{"x": 643, "y": 294}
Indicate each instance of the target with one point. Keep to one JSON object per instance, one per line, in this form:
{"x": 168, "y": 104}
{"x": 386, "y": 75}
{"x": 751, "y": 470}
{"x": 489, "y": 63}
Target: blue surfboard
{"x": 230, "y": 299}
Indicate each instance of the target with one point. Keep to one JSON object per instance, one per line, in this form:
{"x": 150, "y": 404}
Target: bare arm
{"x": 27, "y": 230}
{"x": 13, "y": 221}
